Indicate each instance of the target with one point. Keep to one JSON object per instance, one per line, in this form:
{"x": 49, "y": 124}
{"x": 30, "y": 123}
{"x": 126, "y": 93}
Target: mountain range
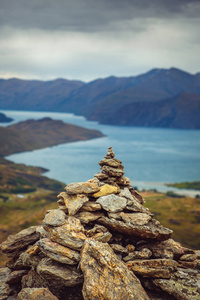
{"x": 159, "y": 98}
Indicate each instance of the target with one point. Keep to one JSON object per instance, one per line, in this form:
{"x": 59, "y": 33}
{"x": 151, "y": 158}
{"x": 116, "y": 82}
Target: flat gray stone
{"x": 112, "y": 203}
{"x": 55, "y": 217}
{"x": 136, "y": 218}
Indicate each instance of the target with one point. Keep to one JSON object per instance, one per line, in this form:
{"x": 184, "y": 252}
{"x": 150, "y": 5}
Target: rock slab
{"x": 101, "y": 268}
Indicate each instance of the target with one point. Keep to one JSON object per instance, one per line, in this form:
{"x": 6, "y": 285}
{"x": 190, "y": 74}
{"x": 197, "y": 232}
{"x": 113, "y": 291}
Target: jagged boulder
{"x": 101, "y": 243}
{"x": 106, "y": 276}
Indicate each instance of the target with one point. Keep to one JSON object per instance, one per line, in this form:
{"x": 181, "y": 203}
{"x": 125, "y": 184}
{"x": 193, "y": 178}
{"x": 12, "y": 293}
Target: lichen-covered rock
{"x": 152, "y": 231}
{"x": 58, "y": 252}
{"x": 157, "y": 268}
{"x": 5, "y": 289}
{"x": 34, "y": 280}
{"x": 183, "y": 285}
{"x": 119, "y": 249}
{"x": 113, "y": 172}
{"x": 73, "y": 202}
{"x": 25, "y": 261}
{"x": 145, "y": 253}
{"x": 90, "y": 206}
{"x": 15, "y": 243}
{"x": 106, "y": 276}
{"x": 135, "y": 218}
{"x": 36, "y": 294}
{"x": 71, "y": 234}
{"x": 167, "y": 249}
{"x": 54, "y": 217}
{"x": 57, "y": 275}
{"x": 82, "y": 188}
{"x": 16, "y": 276}
{"x": 112, "y": 162}
{"x": 105, "y": 190}
{"x": 101, "y": 176}
{"x": 112, "y": 203}
{"x": 96, "y": 229}
{"x": 87, "y": 217}
{"x": 102, "y": 237}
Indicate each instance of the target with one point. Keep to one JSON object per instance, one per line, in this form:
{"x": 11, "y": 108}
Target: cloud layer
{"x": 86, "y": 39}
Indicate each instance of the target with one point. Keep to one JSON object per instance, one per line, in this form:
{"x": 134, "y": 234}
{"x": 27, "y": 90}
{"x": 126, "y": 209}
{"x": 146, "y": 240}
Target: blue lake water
{"x": 151, "y": 156}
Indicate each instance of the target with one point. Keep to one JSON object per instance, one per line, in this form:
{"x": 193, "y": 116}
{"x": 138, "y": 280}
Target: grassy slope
{"x": 193, "y": 185}
{"x": 31, "y": 135}
{"x": 180, "y": 214}
{"x": 17, "y": 213}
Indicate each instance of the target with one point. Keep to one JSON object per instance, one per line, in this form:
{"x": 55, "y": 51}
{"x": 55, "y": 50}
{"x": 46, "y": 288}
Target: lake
{"x": 151, "y": 156}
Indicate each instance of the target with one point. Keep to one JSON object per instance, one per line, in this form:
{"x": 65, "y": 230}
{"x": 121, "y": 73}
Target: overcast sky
{"x": 88, "y": 39}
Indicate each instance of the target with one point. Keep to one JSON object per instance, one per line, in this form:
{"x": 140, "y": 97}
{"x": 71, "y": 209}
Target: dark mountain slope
{"x": 181, "y": 111}
{"x": 157, "y": 84}
{"x": 88, "y": 96}
{"x": 35, "y": 95}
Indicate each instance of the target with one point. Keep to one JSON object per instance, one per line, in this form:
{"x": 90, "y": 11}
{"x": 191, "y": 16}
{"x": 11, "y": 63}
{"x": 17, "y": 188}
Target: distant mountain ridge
{"x": 159, "y": 98}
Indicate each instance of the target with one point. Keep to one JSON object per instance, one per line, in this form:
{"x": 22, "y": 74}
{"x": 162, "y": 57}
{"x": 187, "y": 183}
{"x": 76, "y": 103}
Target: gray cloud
{"x": 88, "y": 15}
{"x": 86, "y": 39}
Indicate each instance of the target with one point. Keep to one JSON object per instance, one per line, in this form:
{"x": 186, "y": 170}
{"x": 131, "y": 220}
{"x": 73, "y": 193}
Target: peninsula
{"x": 36, "y": 134}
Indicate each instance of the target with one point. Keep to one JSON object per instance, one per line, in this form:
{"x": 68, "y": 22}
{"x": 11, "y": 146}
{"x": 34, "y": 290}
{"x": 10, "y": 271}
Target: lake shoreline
{"x": 151, "y": 157}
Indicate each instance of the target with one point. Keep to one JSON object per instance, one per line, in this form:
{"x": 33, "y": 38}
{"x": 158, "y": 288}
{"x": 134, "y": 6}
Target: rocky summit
{"x": 101, "y": 243}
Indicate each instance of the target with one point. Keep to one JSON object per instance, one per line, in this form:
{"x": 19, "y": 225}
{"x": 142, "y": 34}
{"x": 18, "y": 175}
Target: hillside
{"x": 159, "y": 98}
{"x": 34, "y": 94}
{"x": 181, "y": 111}
{"x": 4, "y": 118}
{"x": 25, "y": 195}
{"x": 31, "y": 135}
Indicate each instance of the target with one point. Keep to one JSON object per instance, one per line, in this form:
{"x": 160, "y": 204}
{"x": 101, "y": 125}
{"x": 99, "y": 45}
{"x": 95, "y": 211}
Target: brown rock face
{"x": 15, "y": 243}
{"x": 5, "y": 289}
{"x": 102, "y": 244}
{"x": 152, "y": 231}
{"x": 73, "y": 202}
{"x": 36, "y": 294}
{"x": 70, "y": 234}
{"x": 58, "y": 252}
{"x": 111, "y": 279}
{"x": 82, "y": 188}
{"x": 57, "y": 275}
{"x": 157, "y": 268}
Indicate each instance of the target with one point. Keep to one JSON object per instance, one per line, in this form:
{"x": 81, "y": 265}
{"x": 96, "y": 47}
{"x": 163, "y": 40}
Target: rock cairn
{"x": 101, "y": 243}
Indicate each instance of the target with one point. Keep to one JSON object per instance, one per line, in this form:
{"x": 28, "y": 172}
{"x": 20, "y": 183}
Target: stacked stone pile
{"x": 101, "y": 243}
